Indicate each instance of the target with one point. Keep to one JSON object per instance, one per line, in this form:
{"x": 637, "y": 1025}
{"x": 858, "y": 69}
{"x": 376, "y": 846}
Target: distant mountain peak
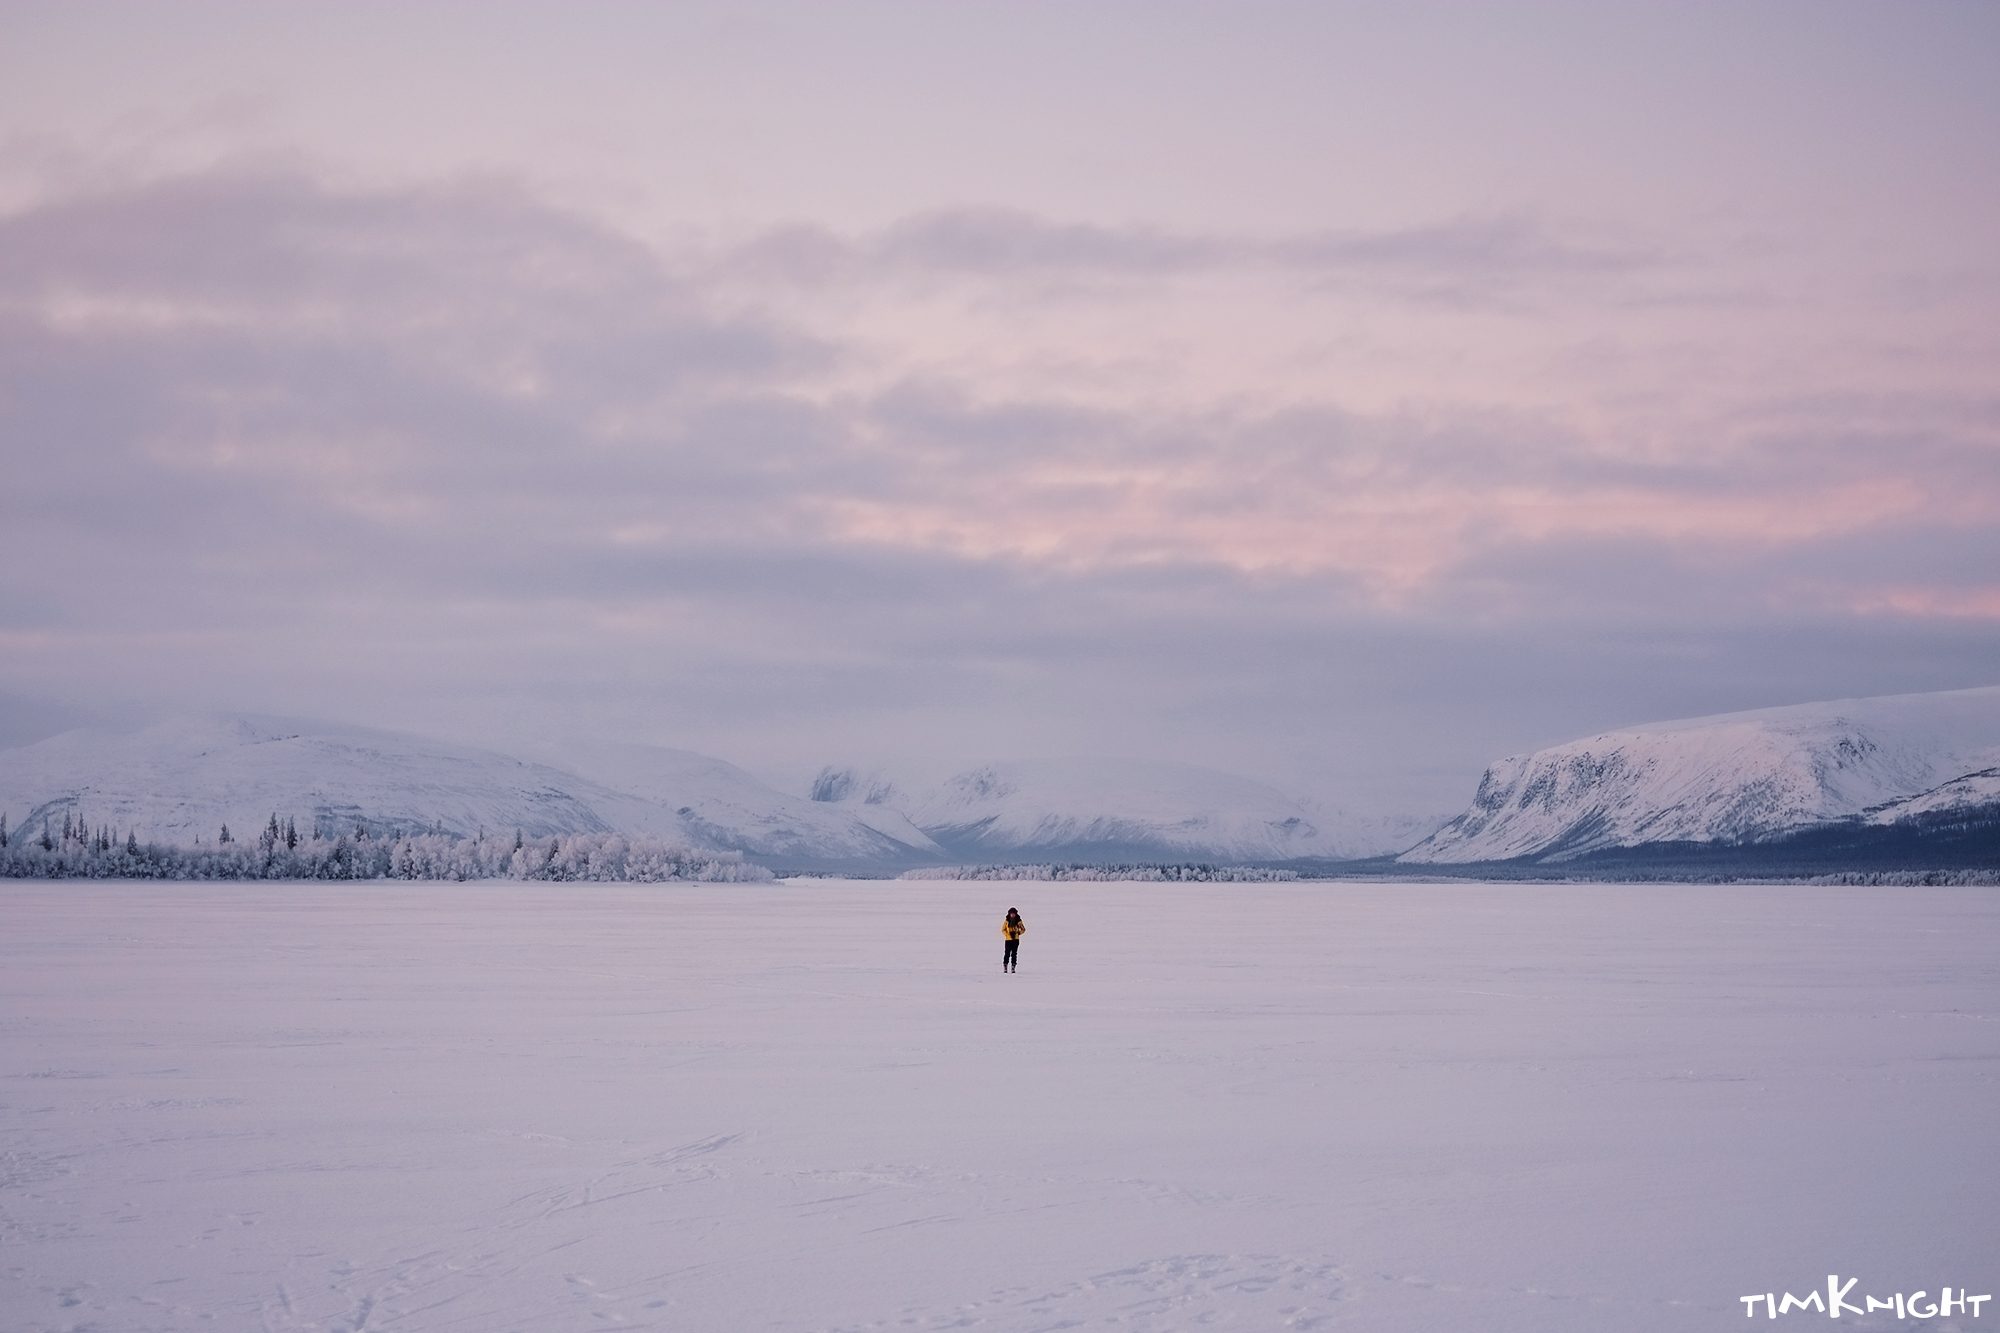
{"x": 1099, "y": 807}
{"x": 834, "y": 785}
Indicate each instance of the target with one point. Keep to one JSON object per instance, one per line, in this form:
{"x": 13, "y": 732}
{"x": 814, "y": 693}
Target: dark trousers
{"x": 1008, "y": 958}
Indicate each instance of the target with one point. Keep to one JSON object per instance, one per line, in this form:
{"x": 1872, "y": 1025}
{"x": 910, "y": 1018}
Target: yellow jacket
{"x": 1012, "y": 930}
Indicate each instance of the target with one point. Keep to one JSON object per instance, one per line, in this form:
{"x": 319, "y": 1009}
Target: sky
{"x": 1344, "y": 396}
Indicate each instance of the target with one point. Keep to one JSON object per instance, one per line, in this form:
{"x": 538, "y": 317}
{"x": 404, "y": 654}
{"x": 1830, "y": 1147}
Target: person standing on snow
{"x": 1011, "y": 930}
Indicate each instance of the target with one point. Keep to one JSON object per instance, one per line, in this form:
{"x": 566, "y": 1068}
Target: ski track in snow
{"x": 820, "y": 1107}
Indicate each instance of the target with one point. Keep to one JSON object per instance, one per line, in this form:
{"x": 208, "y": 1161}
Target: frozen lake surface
{"x": 821, "y": 1106}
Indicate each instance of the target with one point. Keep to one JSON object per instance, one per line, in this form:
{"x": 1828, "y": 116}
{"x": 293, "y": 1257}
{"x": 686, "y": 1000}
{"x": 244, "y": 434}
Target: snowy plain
{"x": 819, "y": 1105}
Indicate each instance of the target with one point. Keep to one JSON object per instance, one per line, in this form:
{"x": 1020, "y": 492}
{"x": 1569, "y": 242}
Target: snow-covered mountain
{"x": 1732, "y": 779}
{"x": 1116, "y": 809}
{"x": 721, "y": 805}
{"x": 182, "y": 779}
{"x": 186, "y": 777}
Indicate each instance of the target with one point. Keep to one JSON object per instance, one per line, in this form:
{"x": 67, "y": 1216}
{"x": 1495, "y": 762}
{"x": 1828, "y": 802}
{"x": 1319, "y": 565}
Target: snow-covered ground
{"x": 820, "y": 1105}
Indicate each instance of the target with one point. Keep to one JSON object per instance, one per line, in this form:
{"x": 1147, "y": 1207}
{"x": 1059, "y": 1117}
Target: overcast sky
{"x": 1341, "y": 395}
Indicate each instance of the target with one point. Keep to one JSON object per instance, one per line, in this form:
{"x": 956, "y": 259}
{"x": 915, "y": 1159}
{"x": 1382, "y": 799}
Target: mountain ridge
{"x": 1108, "y": 808}
{"x": 182, "y": 779}
{"x": 1730, "y": 780}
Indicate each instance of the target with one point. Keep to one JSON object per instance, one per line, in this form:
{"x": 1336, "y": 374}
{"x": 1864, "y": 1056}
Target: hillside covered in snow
{"x": 1900, "y": 781}
{"x": 1852, "y": 770}
{"x": 1099, "y": 809}
{"x": 180, "y": 781}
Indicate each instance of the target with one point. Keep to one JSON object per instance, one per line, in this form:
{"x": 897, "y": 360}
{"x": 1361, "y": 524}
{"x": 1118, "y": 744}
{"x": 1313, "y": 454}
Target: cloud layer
{"x": 979, "y": 483}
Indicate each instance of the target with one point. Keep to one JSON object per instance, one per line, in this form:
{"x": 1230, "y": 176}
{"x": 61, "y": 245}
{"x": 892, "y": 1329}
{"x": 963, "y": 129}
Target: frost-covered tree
{"x": 225, "y": 835}
{"x": 421, "y": 856}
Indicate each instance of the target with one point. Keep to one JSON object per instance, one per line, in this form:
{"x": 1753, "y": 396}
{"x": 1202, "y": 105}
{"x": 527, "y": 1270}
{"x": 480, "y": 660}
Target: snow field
{"x": 821, "y": 1106}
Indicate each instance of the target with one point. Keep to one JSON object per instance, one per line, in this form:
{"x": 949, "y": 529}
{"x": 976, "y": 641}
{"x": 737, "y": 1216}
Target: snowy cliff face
{"x": 1116, "y": 809}
{"x": 186, "y": 777}
{"x": 854, "y": 787}
{"x": 1733, "y": 779}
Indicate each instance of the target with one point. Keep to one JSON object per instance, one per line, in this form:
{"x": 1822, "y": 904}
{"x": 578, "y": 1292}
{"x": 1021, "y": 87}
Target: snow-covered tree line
{"x": 1911, "y": 878}
{"x": 80, "y": 852}
{"x": 1190, "y": 874}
